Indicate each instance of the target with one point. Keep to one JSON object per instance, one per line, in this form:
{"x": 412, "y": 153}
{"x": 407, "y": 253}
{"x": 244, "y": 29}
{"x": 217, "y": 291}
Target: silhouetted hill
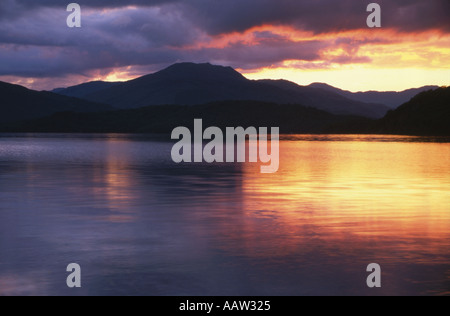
{"x": 391, "y": 99}
{"x": 19, "y": 103}
{"x": 427, "y": 114}
{"x": 186, "y": 85}
{"x": 163, "y": 119}
{"x": 329, "y": 101}
{"x": 193, "y": 84}
{"x": 83, "y": 90}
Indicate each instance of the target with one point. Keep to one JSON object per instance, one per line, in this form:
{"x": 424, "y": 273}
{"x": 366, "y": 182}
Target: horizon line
{"x": 238, "y": 70}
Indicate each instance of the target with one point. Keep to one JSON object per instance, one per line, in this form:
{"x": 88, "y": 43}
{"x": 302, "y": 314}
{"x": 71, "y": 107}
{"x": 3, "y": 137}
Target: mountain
{"x": 19, "y": 103}
{"x": 83, "y": 90}
{"x": 328, "y": 100}
{"x": 193, "y": 84}
{"x": 426, "y": 114}
{"x": 163, "y": 119}
{"x": 390, "y": 98}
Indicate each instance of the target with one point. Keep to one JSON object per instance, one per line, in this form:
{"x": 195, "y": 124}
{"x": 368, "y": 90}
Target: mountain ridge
{"x": 193, "y": 84}
{"x": 392, "y": 99}
{"x": 19, "y": 103}
{"x": 291, "y": 118}
{"x": 84, "y": 89}
{"x": 427, "y": 114}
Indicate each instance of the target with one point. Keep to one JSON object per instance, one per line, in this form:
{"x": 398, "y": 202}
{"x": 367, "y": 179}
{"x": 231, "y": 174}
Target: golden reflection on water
{"x": 115, "y": 182}
{"x": 336, "y": 204}
{"x": 351, "y": 191}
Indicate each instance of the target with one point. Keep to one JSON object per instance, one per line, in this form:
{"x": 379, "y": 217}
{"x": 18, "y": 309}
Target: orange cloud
{"x": 393, "y": 59}
{"x": 382, "y": 59}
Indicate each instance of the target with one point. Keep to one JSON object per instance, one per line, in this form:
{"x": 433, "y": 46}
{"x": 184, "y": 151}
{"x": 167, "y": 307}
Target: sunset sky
{"x": 302, "y": 41}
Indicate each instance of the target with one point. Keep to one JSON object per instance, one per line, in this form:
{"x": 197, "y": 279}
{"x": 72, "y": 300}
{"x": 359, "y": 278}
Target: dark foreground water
{"x": 139, "y": 224}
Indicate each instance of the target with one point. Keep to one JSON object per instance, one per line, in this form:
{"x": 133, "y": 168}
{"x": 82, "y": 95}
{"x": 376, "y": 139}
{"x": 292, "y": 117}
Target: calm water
{"x": 139, "y": 224}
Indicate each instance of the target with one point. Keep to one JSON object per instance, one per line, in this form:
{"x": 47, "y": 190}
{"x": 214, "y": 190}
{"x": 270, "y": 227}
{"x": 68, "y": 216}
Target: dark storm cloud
{"x": 35, "y": 41}
{"x": 94, "y": 3}
{"x": 9, "y": 9}
{"x": 218, "y": 16}
{"x": 39, "y": 63}
{"x": 317, "y": 15}
{"x": 116, "y": 39}
{"x": 266, "y": 53}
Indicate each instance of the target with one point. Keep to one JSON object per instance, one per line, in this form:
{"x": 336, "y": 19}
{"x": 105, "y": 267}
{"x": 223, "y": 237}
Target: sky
{"x": 304, "y": 41}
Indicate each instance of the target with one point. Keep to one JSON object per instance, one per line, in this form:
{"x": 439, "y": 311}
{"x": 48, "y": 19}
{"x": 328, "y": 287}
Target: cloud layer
{"x": 144, "y": 35}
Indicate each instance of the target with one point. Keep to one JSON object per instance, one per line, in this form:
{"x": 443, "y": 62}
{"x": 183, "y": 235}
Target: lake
{"x": 139, "y": 224}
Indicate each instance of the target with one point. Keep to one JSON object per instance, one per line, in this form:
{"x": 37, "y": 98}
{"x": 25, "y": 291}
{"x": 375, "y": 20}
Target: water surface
{"x": 138, "y": 223}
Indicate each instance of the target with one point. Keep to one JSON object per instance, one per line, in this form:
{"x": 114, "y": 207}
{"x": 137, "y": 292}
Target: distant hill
{"x": 83, "y": 90}
{"x": 19, "y": 103}
{"x": 328, "y": 100}
{"x": 163, "y": 119}
{"x": 426, "y": 114}
{"x": 390, "y": 98}
{"x": 193, "y": 84}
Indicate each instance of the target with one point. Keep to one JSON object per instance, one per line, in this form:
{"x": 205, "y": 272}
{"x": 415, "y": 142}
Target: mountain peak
{"x": 321, "y": 85}
{"x": 205, "y": 70}
{"x": 194, "y": 84}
